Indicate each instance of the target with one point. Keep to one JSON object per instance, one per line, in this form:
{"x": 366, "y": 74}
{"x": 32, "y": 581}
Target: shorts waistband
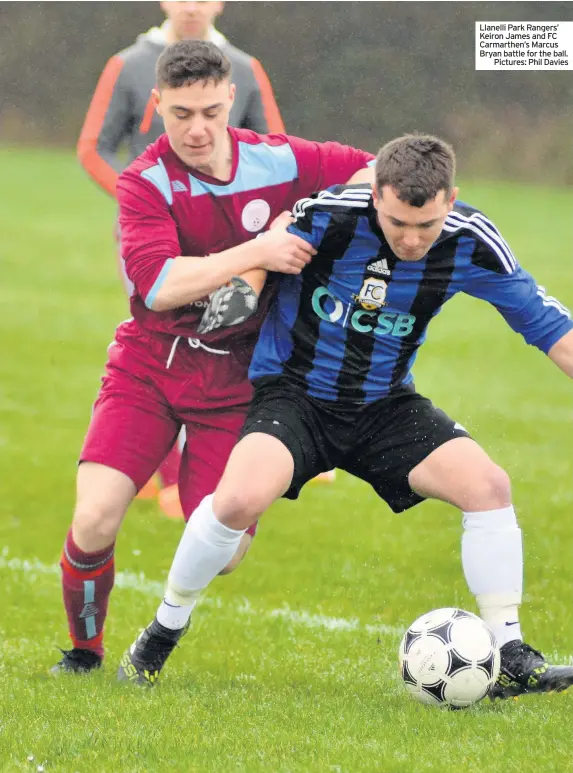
{"x": 194, "y": 343}
{"x": 162, "y": 346}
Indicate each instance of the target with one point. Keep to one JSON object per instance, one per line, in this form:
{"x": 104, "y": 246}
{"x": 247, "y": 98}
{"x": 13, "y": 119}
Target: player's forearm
{"x": 256, "y": 278}
{"x": 562, "y": 353}
{"x": 188, "y": 278}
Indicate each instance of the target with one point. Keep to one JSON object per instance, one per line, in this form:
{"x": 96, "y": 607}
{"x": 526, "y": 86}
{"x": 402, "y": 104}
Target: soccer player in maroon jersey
{"x": 190, "y": 207}
{"x": 122, "y": 113}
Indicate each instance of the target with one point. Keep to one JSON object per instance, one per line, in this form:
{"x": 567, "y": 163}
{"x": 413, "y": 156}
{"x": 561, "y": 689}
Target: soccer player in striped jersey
{"x": 333, "y": 381}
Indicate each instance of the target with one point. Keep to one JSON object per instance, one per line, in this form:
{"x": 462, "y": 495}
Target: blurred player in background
{"x": 122, "y": 113}
{"x": 189, "y": 209}
{"x": 333, "y": 386}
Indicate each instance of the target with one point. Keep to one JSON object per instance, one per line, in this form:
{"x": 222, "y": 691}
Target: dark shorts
{"x": 379, "y": 443}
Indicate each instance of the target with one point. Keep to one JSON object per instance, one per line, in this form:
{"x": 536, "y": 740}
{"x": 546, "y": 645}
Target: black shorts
{"x": 380, "y": 442}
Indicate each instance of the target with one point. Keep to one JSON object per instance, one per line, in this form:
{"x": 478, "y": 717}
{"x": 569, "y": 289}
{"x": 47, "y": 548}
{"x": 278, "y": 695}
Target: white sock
{"x": 492, "y": 559}
{"x": 206, "y": 547}
{"x": 174, "y": 616}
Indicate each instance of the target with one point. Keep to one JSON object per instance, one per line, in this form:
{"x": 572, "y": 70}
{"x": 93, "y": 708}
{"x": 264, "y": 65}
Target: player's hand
{"x": 281, "y": 251}
{"x": 282, "y": 221}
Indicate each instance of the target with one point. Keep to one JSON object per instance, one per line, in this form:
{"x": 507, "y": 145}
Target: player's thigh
{"x": 208, "y": 445}
{"x": 396, "y": 435}
{"x": 131, "y": 429}
{"x": 259, "y": 471}
{"x": 239, "y": 471}
{"x": 460, "y": 472}
{"x": 282, "y": 446}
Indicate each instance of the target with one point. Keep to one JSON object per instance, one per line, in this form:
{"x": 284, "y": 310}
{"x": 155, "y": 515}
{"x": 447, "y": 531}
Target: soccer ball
{"x": 449, "y": 657}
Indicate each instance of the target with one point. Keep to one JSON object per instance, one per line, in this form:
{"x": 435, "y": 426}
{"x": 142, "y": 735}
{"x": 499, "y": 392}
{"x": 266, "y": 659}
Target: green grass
{"x": 313, "y": 687}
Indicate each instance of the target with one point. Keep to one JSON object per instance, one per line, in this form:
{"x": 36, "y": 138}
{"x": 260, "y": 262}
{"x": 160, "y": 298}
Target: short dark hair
{"x": 189, "y": 61}
{"x": 417, "y": 167}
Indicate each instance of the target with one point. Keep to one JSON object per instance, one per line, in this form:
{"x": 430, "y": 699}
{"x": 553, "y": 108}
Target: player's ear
{"x": 232, "y": 92}
{"x": 156, "y": 97}
{"x": 452, "y": 199}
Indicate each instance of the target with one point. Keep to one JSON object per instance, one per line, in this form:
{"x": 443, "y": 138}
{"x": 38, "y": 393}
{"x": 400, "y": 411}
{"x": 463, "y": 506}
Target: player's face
{"x": 411, "y": 231}
{"x": 196, "y": 119}
{"x": 191, "y": 21}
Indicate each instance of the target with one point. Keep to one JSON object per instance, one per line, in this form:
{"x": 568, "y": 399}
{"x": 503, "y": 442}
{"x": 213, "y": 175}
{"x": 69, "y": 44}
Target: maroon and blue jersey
{"x": 349, "y": 327}
{"x": 168, "y": 209}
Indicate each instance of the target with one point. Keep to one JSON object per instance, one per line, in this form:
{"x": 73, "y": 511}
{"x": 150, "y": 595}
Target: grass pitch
{"x": 291, "y": 663}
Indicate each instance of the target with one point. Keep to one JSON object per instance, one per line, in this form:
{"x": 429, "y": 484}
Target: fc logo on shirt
{"x": 373, "y": 294}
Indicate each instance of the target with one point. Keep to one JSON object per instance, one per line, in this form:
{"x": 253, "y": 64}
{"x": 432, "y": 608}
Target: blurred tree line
{"x": 358, "y": 72}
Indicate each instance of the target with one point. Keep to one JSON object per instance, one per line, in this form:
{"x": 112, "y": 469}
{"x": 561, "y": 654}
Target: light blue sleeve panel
{"x": 527, "y": 308}
{"x": 158, "y": 176}
{"x": 158, "y": 284}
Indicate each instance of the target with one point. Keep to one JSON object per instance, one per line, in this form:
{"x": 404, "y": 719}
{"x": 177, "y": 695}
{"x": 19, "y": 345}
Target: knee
{"x": 95, "y": 525}
{"x": 491, "y": 490}
{"x": 238, "y": 510}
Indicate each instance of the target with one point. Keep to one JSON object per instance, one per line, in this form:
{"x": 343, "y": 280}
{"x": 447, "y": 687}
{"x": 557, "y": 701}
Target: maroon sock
{"x": 87, "y": 580}
{"x": 169, "y": 468}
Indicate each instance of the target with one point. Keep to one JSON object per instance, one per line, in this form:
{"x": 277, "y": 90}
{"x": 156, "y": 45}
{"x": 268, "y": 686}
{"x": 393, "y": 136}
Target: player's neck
{"x": 220, "y": 167}
{"x": 171, "y": 37}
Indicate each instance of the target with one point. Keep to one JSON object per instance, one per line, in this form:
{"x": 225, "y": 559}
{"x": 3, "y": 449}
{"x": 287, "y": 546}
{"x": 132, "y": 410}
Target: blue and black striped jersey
{"x": 348, "y": 328}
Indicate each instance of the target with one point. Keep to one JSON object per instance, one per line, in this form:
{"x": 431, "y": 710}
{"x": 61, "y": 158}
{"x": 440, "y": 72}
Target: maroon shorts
{"x": 153, "y": 385}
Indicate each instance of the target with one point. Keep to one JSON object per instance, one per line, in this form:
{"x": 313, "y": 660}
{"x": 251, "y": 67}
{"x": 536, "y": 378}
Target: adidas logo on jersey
{"x": 379, "y": 267}
{"x": 178, "y": 186}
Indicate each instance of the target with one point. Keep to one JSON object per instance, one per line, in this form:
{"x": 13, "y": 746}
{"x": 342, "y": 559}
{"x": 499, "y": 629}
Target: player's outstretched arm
{"x": 495, "y": 276}
{"x": 562, "y": 353}
{"x": 167, "y": 280}
{"x": 188, "y": 279}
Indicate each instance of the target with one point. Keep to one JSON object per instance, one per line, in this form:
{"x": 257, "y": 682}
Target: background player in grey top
{"x": 121, "y": 111}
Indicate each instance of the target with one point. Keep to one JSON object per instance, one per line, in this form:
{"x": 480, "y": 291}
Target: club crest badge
{"x": 373, "y": 294}
{"x": 255, "y": 215}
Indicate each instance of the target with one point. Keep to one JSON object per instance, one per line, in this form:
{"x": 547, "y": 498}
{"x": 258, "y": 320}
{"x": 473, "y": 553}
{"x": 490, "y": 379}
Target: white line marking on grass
{"x": 123, "y": 579}
{"x": 310, "y": 620}
{"x": 139, "y": 583}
